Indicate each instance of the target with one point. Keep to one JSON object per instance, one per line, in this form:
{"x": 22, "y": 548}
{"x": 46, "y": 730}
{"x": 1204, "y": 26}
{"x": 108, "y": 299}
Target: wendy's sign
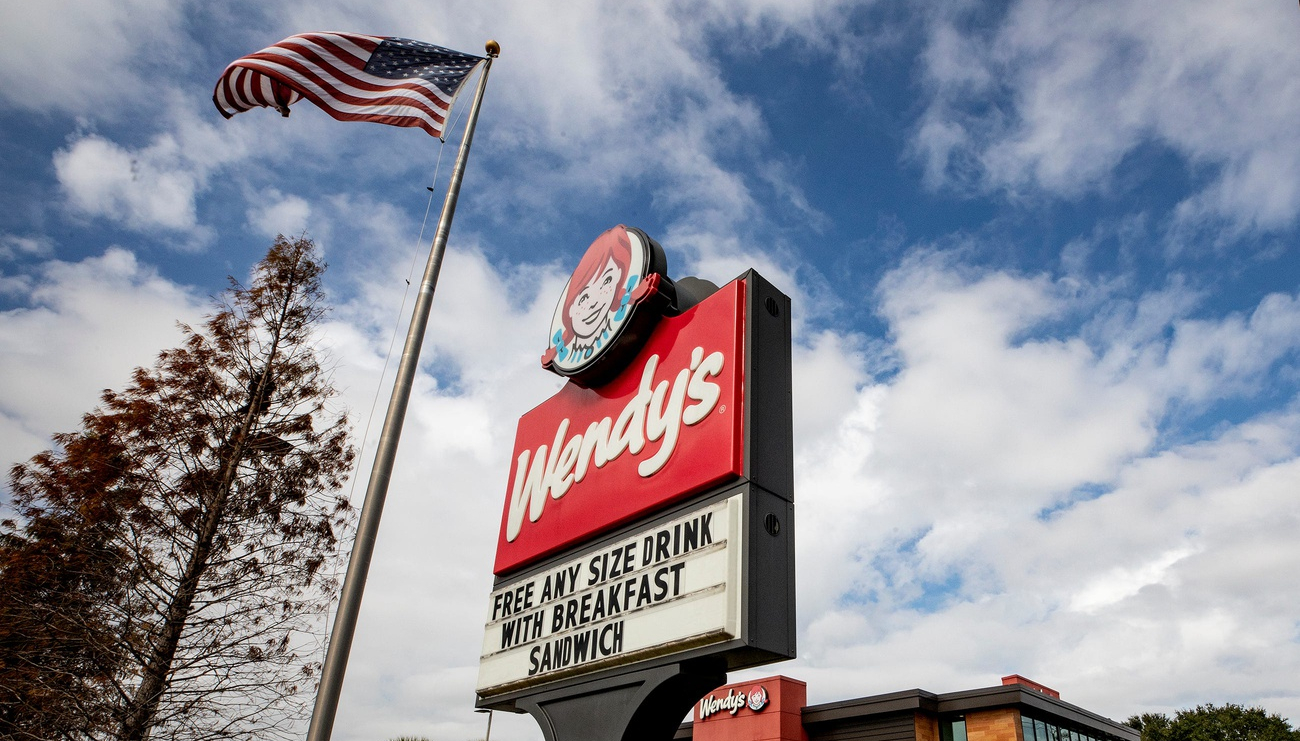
{"x": 649, "y": 506}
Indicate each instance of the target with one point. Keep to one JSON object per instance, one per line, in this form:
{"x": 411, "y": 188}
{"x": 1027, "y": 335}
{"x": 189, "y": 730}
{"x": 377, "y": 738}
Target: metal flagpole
{"x": 354, "y": 583}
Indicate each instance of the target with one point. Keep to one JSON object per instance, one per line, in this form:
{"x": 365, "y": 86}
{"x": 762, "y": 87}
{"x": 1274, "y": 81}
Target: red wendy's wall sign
{"x": 755, "y": 698}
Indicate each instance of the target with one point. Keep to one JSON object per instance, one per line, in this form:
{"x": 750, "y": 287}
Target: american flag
{"x": 351, "y": 76}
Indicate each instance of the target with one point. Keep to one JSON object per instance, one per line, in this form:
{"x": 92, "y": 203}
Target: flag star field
{"x": 399, "y": 58}
{"x": 1043, "y": 256}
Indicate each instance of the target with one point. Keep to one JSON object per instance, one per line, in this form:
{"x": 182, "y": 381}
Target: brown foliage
{"x": 59, "y": 586}
{"x": 174, "y": 551}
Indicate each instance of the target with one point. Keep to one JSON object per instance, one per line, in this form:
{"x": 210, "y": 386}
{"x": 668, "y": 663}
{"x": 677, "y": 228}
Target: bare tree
{"x": 223, "y": 489}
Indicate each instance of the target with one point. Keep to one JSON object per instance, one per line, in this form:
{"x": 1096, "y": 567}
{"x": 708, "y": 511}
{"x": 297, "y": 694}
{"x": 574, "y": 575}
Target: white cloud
{"x": 1061, "y": 92}
{"x": 81, "y": 327}
{"x": 1009, "y": 501}
{"x": 84, "y": 56}
{"x": 829, "y": 372}
{"x": 12, "y": 245}
{"x": 1123, "y": 582}
{"x": 593, "y": 121}
{"x": 593, "y": 100}
{"x": 153, "y": 188}
{"x": 273, "y": 212}
{"x": 1038, "y": 415}
{"x": 1229, "y": 356}
{"x": 144, "y": 189}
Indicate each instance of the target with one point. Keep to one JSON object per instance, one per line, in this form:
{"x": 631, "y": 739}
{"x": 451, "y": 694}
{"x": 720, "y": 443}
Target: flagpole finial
{"x": 493, "y": 48}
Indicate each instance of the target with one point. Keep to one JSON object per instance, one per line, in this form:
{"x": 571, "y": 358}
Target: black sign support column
{"x": 645, "y": 705}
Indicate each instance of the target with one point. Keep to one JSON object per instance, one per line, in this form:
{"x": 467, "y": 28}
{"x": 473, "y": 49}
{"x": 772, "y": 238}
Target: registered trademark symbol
{"x": 722, "y": 408}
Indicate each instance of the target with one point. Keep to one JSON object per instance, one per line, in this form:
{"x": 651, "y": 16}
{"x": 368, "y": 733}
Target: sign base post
{"x": 645, "y": 705}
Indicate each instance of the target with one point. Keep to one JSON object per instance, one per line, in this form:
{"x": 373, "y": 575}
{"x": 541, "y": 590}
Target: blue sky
{"x": 1043, "y": 257}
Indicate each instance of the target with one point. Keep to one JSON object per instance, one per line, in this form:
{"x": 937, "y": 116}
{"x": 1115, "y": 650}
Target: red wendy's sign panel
{"x": 668, "y": 426}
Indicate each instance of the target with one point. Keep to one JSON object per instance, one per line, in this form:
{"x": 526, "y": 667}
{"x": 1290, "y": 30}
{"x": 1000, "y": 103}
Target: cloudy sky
{"x": 1044, "y": 257}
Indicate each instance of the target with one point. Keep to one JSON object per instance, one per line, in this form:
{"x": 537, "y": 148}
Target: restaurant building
{"x": 776, "y": 709}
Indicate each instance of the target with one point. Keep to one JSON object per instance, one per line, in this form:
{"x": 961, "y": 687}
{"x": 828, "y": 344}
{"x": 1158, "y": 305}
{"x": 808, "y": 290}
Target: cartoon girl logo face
{"x": 588, "y": 310}
{"x": 598, "y": 300}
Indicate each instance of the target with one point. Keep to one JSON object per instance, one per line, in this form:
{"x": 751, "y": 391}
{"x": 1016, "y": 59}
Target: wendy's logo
{"x": 612, "y": 301}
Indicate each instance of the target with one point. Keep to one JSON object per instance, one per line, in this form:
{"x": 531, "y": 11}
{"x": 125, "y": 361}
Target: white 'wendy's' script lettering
{"x": 656, "y": 412}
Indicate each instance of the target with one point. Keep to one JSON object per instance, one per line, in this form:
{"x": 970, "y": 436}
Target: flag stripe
{"x": 329, "y": 69}
{"x": 361, "y": 86}
{"x": 222, "y": 97}
{"x": 334, "y": 99}
{"x": 320, "y": 56}
{"x": 346, "y": 50}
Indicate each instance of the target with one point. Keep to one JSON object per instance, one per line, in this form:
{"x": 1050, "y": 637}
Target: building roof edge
{"x": 894, "y": 702}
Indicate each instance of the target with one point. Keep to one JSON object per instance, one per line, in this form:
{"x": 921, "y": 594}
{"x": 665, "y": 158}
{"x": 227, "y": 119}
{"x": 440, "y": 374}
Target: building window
{"x": 1037, "y": 729}
{"x": 953, "y": 729}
